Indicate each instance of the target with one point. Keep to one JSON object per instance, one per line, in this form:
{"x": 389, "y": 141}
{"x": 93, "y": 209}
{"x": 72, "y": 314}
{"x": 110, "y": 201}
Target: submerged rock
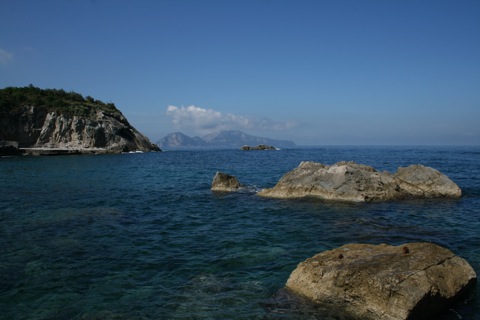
{"x": 349, "y": 181}
{"x": 225, "y": 182}
{"x": 411, "y": 281}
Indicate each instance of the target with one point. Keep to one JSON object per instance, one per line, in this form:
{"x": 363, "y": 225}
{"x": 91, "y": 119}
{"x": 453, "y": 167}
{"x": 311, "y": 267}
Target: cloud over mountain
{"x": 209, "y": 120}
{"x": 5, "y": 56}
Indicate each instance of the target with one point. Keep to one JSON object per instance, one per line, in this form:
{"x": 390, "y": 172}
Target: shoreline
{"x": 61, "y": 151}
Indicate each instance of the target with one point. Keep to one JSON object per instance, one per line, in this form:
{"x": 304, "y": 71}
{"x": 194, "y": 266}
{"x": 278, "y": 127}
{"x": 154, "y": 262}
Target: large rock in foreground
{"x": 349, "y": 181}
{"x": 411, "y": 281}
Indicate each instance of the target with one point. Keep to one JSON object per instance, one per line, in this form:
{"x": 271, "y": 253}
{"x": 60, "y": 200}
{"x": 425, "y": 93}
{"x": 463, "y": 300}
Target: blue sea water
{"x": 141, "y": 236}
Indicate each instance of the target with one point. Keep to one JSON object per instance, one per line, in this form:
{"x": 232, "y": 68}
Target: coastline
{"x": 61, "y": 151}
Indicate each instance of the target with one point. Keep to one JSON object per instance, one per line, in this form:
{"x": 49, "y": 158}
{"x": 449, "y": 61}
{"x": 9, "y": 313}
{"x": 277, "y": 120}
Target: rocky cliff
{"x": 54, "y": 119}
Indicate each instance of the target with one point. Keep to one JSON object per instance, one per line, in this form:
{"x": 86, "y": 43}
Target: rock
{"x": 421, "y": 181}
{"x": 259, "y": 147}
{"x": 225, "y": 182}
{"x": 349, "y": 181}
{"x": 9, "y": 148}
{"x": 410, "y": 281}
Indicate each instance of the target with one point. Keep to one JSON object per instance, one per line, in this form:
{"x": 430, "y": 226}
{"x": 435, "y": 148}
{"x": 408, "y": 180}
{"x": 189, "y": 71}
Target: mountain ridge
{"x": 222, "y": 139}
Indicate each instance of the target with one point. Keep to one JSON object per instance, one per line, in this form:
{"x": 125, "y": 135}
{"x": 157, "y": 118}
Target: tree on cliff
{"x": 49, "y": 118}
{"x": 58, "y": 100}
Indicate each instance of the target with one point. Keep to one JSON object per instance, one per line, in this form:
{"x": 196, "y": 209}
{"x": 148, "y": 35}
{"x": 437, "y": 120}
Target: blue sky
{"x": 315, "y": 72}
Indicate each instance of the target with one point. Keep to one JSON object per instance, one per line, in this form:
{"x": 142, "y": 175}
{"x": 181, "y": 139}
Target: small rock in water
{"x": 225, "y": 182}
{"x": 259, "y": 147}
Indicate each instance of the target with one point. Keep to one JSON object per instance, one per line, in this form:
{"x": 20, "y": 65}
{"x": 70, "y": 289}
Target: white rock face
{"x": 110, "y": 132}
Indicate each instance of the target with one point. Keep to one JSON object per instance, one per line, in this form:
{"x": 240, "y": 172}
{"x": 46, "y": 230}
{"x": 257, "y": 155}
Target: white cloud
{"x": 209, "y": 120}
{"x": 5, "y": 56}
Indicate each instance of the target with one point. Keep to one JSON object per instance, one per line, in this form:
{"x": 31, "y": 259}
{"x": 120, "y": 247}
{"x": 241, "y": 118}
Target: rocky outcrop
{"x": 9, "y": 148}
{"x": 225, "y": 183}
{"x": 349, "y": 181}
{"x": 37, "y": 127}
{"x": 411, "y": 281}
{"x": 259, "y": 147}
{"x": 425, "y": 182}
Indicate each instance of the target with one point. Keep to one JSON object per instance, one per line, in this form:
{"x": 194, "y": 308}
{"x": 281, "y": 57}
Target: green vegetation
{"x": 14, "y": 99}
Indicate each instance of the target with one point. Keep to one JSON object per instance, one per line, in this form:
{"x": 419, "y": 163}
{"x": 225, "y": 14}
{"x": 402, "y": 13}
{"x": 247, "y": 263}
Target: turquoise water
{"x": 141, "y": 236}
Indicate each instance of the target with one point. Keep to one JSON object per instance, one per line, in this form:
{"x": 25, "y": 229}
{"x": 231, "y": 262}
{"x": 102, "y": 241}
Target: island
{"x": 225, "y": 139}
{"x": 259, "y": 147}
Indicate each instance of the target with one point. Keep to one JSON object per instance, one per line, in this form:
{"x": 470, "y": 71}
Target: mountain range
{"x": 222, "y": 139}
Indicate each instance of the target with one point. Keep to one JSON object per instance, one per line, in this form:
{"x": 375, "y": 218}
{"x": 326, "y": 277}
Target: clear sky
{"x": 316, "y": 72}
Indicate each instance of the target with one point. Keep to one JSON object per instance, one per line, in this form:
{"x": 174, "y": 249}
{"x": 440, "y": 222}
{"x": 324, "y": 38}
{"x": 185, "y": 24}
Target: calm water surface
{"x": 141, "y": 236}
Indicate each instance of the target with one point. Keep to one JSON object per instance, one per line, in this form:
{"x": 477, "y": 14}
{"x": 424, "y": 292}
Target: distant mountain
{"x": 178, "y": 139}
{"x": 235, "y": 138}
{"x": 199, "y": 141}
{"x": 222, "y": 139}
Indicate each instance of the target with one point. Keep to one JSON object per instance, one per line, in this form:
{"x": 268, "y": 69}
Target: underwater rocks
{"x": 410, "y": 281}
{"x": 349, "y": 181}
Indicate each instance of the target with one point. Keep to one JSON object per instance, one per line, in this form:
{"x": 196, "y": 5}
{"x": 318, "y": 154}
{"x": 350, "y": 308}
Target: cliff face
{"x": 54, "y": 119}
{"x": 36, "y": 127}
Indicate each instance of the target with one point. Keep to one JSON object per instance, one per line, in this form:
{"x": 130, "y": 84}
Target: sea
{"x": 142, "y": 236}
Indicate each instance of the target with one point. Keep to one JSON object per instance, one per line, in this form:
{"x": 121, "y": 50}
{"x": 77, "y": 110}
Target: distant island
{"x": 223, "y": 139}
{"x": 51, "y": 121}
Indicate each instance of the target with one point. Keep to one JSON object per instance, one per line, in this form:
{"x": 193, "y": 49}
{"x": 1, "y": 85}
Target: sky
{"x": 322, "y": 72}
